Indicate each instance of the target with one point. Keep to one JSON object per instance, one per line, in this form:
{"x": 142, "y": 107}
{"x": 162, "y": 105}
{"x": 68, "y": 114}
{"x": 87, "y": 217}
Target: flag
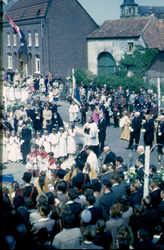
{"x": 16, "y": 29}
{"x": 75, "y": 92}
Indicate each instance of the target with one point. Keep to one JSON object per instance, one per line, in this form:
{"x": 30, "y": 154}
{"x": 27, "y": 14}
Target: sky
{"x": 101, "y": 10}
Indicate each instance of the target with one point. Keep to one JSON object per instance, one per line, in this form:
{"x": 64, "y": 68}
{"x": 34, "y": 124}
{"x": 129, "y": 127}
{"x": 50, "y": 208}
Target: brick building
{"x": 55, "y": 37}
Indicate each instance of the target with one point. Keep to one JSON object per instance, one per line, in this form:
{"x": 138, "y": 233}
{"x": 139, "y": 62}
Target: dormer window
{"x": 38, "y": 12}
{"x": 22, "y": 15}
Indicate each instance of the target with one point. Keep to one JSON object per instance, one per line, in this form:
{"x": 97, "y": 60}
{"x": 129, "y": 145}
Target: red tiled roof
{"x": 151, "y": 28}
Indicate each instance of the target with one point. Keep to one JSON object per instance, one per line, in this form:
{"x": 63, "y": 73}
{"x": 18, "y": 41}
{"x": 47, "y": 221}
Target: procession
{"x": 82, "y": 124}
{"x": 74, "y": 175}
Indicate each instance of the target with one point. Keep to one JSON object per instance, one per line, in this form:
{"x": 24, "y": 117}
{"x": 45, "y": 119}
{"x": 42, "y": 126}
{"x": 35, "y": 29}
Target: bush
{"x": 81, "y": 76}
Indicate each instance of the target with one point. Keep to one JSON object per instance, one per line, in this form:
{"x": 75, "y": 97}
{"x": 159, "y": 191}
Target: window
{"x": 37, "y": 64}
{"x": 36, "y": 38}
{"x": 29, "y": 38}
{"x": 14, "y": 40}
{"x": 130, "y": 47}
{"x": 9, "y": 59}
{"x": 8, "y": 39}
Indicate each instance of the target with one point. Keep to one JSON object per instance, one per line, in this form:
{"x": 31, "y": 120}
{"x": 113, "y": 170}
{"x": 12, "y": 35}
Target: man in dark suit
{"x": 102, "y": 131}
{"x": 160, "y": 133}
{"x": 140, "y": 151}
{"x": 110, "y": 156}
{"x": 107, "y": 200}
{"x": 106, "y": 174}
{"x": 80, "y": 178}
{"x": 29, "y": 190}
{"x": 148, "y": 128}
{"x": 116, "y": 188}
{"x": 135, "y": 129}
{"x": 74, "y": 206}
{"x": 81, "y": 154}
{"x": 140, "y": 169}
{"x": 154, "y": 110}
{"x": 118, "y": 164}
{"x": 155, "y": 193}
{"x": 95, "y": 211}
{"x": 26, "y": 137}
{"x": 136, "y": 195}
{"x": 160, "y": 209}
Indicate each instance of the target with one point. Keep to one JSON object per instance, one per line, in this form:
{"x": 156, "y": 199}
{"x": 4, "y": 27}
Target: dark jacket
{"x": 155, "y": 198}
{"x": 135, "y": 198}
{"x": 78, "y": 180}
{"x": 82, "y": 156}
{"x": 110, "y": 158}
{"x": 106, "y": 201}
{"x": 96, "y": 215}
{"x": 26, "y": 136}
{"x": 136, "y": 125}
{"x": 140, "y": 173}
{"x": 117, "y": 189}
{"x": 149, "y": 134}
{"x": 102, "y": 129}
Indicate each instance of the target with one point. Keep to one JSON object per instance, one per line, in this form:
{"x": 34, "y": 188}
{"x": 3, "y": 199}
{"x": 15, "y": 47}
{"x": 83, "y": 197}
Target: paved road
{"x": 113, "y": 139}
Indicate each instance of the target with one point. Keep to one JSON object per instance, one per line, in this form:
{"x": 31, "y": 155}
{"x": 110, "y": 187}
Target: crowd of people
{"x": 87, "y": 206}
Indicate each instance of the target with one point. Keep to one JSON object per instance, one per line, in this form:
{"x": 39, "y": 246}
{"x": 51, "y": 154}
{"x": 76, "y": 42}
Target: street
{"x": 113, "y": 140}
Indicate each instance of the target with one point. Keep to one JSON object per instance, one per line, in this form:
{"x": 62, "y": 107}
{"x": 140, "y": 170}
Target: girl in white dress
{"x": 19, "y": 154}
{"x": 8, "y": 145}
{"x": 5, "y": 140}
{"x": 46, "y": 141}
{"x": 11, "y": 94}
{"x": 54, "y": 140}
{"x": 62, "y": 143}
{"x": 39, "y": 140}
{"x": 32, "y": 141}
{"x": 13, "y": 147}
{"x": 71, "y": 145}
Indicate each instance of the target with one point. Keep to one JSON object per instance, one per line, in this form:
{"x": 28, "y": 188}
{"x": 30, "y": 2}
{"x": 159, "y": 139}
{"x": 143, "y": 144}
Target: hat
{"x": 80, "y": 165}
{"x": 86, "y": 216}
{"x": 27, "y": 177}
{"x": 60, "y": 173}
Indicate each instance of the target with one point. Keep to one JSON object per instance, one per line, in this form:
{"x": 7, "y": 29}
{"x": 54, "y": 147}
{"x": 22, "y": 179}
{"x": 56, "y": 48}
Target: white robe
{"x": 54, "y": 139}
{"x": 73, "y": 112}
{"x": 13, "y": 148}
{"x": 11, "y": 94}
{"x": 92, "y": 160}
{"x": 19, "y": 154}
{"x": 46, "y": 143}
{"x": 71, "y": 145}
{"x": 62, "y": 145}
{"x": 17, "y": 94}
{"x": 42, "y": 163}
{"x": 8, "y": 148}
{"x": 5, "y": 155}
{"x": 39, "y": 141}
{"x": 91, "y": 139}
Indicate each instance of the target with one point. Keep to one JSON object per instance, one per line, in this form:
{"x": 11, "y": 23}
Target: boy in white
{"x": 62, "y": 143}
{"x": 54, "y": 141}
{"x": 73, "y": 112}
{"x": 13, "y": 147}
{"x": 46, "y": 141}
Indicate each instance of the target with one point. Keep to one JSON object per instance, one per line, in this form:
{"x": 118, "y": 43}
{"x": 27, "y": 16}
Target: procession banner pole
{"x": 159, "y": 96}
{"x": 146, "y": 171}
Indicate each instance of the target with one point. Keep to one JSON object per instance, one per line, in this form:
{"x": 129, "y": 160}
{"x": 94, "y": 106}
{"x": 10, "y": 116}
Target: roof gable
{"x": 151, "y": 29}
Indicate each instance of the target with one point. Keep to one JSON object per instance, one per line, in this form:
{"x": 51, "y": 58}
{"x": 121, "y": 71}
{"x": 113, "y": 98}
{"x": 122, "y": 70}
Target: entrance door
{"x": 23, "y": 63}
{"x": 106, "y": 63}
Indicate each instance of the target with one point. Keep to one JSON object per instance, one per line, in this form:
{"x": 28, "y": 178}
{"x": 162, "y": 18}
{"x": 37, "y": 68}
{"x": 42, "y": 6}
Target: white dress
{"x": 71, "y": 145}
{"x": 8, "y": 148}
{"x": 54, "y": 139}
{"x": 92, "y": 160}
{"x": 17, "y": 94}
{"x": 19, "y": 154}
{"x": 13, "y": 148}
{"x": 46, "y": 143}
{"x": 73, "y": 112}
{"x": 39, "y": 141}
{"x": 5, "y": 158}
{"x": 11, "y": 94}
{"x": 62, "y": 145}
{"x": 91, "y": 139}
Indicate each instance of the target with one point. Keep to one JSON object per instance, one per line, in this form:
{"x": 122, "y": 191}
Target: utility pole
{"x": 146, "y": 171}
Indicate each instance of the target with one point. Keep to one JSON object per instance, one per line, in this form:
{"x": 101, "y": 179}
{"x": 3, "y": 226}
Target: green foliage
{"x": 131, "y": 83}
{"x": 81, "y": 76}
{"x": 140, "y": 61}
